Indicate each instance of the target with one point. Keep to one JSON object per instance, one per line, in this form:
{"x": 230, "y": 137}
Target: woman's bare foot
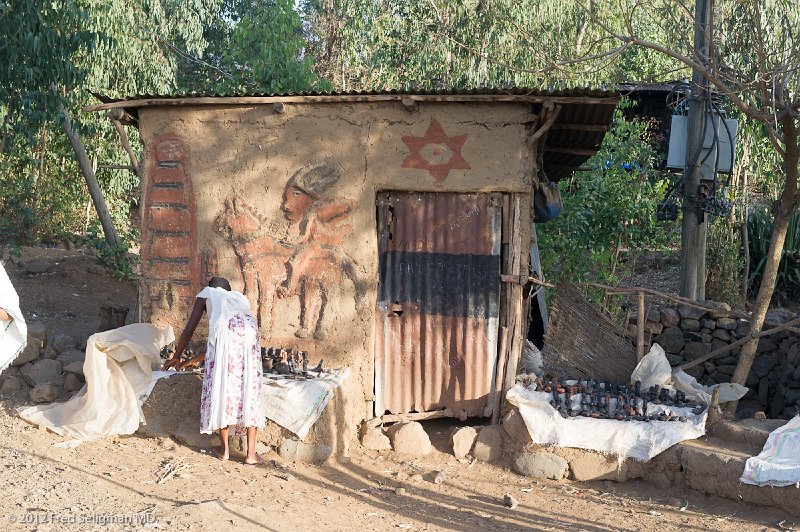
{"x": 254, "y": 461}
{"x": 219, "y": 453}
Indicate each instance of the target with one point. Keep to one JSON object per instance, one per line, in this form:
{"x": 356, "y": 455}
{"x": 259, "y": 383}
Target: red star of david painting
{"x": 435, "y": 152}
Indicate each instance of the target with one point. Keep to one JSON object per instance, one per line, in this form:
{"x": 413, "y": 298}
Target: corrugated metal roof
{"x": 576, "y": 135}
{"x": 580, "y": 92}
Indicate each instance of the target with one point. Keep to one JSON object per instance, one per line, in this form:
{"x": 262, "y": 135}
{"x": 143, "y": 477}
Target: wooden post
{"x": 115, "y": 115}
{"x": 641, "y": 319}
{"x": 515, "y": 317}
{"x": 694, "y": 227}
{"x": 91, "y": 181}
{"x": 500, "y": 376}
{"x": 713, "y": 409}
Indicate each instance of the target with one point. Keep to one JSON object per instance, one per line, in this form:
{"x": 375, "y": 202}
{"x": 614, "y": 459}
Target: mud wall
{"x": 283, "y": 205}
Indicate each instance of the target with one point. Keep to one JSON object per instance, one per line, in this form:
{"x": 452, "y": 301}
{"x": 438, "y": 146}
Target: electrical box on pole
{"x": 718, "y": 152}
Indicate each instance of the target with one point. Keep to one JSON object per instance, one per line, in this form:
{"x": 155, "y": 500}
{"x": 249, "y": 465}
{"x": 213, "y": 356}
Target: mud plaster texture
{"x": 710, "y": 465}
{"x": 215, "y": 202}
{"x": 172, "y": 410}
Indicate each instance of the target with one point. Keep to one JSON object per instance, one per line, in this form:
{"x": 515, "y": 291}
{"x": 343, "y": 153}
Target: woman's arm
{"x": 197, "y": 313}
{"x": 192, "y": 362}
{"x": 5, "y": 315}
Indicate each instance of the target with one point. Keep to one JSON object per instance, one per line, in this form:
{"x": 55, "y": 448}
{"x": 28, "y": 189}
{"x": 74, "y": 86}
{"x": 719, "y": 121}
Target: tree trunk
{"x": 783, "y": 214}
{"x": 91, "y": 180}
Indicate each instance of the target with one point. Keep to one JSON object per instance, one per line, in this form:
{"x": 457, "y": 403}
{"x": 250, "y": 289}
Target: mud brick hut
{"x": 386, "y": 232}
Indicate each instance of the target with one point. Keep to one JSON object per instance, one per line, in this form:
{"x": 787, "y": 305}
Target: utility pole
{"x": 695, "y": 227}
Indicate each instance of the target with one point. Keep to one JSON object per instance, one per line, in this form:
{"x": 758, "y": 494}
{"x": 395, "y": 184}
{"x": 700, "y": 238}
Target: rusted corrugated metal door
{"x": 438, "y": 301}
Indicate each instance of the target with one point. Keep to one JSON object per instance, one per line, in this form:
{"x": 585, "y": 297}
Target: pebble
{"x": 400, "y": 491}
{"x": 439, "y": 478}
{"x": 509, "y": 501}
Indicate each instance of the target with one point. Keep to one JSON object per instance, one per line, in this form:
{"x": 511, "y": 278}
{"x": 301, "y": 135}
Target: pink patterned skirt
{"x": 232, "y": 376}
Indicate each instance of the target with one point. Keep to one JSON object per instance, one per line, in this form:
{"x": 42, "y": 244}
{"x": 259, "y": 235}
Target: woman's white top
{"x": 221, "y": 306}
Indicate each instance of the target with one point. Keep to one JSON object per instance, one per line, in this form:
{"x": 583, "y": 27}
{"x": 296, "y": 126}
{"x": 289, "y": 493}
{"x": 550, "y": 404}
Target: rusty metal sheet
{"x": 438, "y": 302}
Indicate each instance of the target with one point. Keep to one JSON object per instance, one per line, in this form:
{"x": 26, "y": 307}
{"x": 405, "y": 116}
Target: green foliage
{"x": 432, "y": 44}
{"x": 608, "y": 210}
{"x": 759, "y": 226}
{"x": 245, "y": 54}
{"x": 117, "y": 47}
{"x": 116, "y": 258}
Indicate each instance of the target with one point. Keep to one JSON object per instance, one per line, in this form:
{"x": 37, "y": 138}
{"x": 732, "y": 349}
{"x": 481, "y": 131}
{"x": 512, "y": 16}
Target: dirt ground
{"x": 131, "y": 483}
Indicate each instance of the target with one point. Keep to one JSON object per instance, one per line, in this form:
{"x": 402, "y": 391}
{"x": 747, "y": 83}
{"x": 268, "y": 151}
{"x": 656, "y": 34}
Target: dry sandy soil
{"x": 116, "y": 483}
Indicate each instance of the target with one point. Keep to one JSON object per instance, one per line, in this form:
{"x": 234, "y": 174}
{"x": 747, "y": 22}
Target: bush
{"x": 609, "y": 211}
{"x": 759, "y": 227}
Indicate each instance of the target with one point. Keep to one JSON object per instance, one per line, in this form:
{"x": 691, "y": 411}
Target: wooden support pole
{"x": 115, "y": 115}
{"x": 641, "y": 319}
{"x": 713, "y": 409}
{"x": 514, "y": 299}
{"x": 500, "y": 376}
{"x": 91, "y": 181}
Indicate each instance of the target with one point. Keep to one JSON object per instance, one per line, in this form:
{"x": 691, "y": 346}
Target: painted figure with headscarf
{"x": 318, "y": 261}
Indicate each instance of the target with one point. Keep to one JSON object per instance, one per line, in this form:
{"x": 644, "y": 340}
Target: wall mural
{"x": 308, "y": 262}
{"x": 435, "y": 152}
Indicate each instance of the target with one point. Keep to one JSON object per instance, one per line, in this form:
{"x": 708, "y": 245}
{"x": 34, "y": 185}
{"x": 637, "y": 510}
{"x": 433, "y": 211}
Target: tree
{"x": 253, "y": 46}
{"x": 115, "y": 47}
{"x": 754, "y": 63}
{"x": 438, "y": 44}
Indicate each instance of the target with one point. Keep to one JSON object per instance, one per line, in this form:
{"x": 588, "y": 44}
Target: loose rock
{"x": 439, "y": 478}
{"x": 42, "y": 372}
{"x": 462, "y": 440}
{"x": 409, "y": 438}
{"x": 71, "y": 355}
{"x": 45, "y": 393}
{"x": 375, "y": 440}
{"x": 49, "y": 353}
{"x": 29, "y": 354}
{"x": 35, "y": 267}
{"x": 509, "y": 501}
{"x": 75, "y": 368}
{"x": 72, "y": 383}
{"x": 489, "y": 444}
{"x": 63, "y": 342}
{"x": 37, "y": 330}
{"x": 11, "y": 384}
{"x": 540, "y": 465}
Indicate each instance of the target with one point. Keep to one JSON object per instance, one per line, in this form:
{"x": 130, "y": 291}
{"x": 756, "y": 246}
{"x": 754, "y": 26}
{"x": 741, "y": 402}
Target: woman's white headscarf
{"x": 13, "y": 333}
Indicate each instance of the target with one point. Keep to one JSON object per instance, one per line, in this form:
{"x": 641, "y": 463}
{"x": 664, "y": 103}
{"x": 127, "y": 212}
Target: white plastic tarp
{"x": 13, "y": 332}
{"x": 778, "y": 464}
{"x": 118, "y": 369}
{"x": 297, "y": 404}
{"x": 641, "y": 440}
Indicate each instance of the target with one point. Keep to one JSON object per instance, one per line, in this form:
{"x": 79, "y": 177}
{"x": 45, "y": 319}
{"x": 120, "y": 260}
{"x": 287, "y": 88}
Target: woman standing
{"x": 232, "y": 378}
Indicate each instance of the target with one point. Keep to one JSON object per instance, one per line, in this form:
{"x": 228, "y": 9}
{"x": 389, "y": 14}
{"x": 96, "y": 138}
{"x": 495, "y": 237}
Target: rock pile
{"x": 45, "y": 367}
{"x": 688, "y": 333}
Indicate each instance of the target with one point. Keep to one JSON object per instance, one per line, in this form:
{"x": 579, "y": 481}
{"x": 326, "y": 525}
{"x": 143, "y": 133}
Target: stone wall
{"x": 687, "y": 333}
